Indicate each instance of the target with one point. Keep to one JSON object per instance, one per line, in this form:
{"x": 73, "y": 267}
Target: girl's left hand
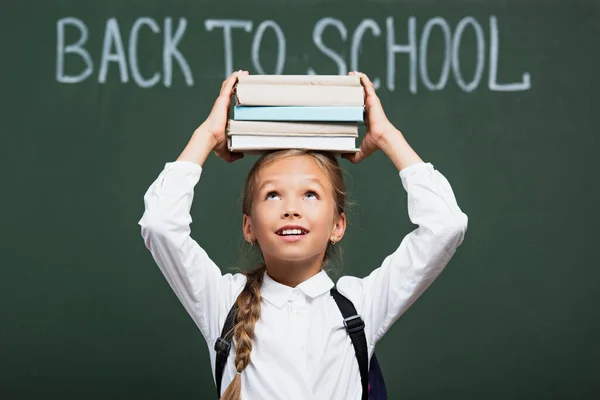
{"x": 377, "y": 125}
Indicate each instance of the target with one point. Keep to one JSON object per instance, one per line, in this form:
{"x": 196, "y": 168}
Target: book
{"x": 280, "y": 128}
{"x": 317, "y": 114}
{"x": 243, "y": 143}
{"x": 314, "y": 112}
{"x": 299, "y": 95}
{"x": 314, "y": 80}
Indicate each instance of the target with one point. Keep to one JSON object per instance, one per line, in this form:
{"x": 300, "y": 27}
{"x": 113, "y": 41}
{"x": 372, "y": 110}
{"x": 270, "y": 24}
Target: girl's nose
{"x": 291, "y": 210}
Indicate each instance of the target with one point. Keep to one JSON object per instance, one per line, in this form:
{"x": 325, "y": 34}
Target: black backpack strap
{"x": 377, "y": 390}
{"x": 355, "y": 327}
{"x": 223, "y": 345}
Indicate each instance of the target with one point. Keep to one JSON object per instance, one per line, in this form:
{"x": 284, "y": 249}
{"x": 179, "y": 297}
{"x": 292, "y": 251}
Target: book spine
{"x": 317, "y": 114}
{"x": 298, "y": 95}
{"x": 315, "y": 80}
{"x": 322, "y": 143}
{"x": 290, "y": 134}
{"x": 293, "y": 127}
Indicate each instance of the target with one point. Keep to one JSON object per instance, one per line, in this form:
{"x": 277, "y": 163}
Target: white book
{"x": 311, "y": 80}
{"x": 290, "y": 134}
{"x": 299, "y": 95}
{"x": 241, "y": 142}
{"x": 281, "y": 128}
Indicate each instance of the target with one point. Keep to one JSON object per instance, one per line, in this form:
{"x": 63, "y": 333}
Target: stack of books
{"x": 315, "y": 112}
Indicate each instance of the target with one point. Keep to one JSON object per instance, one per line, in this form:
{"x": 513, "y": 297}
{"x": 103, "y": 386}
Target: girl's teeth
{"x": 292, "y": 232}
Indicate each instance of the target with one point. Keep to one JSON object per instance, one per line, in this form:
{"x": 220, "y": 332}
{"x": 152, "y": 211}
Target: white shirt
{"x": 301, "y": 349}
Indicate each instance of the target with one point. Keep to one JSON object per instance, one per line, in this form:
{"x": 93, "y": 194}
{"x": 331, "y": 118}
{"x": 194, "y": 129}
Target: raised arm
{"x": 165, "y": 225}
{"x": 392, "y": 288}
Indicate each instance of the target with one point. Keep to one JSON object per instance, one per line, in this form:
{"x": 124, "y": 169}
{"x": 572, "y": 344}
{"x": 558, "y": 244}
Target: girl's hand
{"x": 216, "y": 123}
{"x": 377, "y": 125}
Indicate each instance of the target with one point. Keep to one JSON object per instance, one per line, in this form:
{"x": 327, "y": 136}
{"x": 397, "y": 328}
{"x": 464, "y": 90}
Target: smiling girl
{"x": 289, "y": 335}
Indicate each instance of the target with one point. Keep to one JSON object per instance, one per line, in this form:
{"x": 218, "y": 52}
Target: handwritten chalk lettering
{"x": 456, "y": 40}
{"x": 132, "y": 53}
{"x": 493, "y": 84}
{"x": 356, "y": 44}
{"x": 451, "y": 56}
{"x": 256, "y": 41}
{"x": 227, "y": 25}
{"x": 393, "y": 48}
{"x": 113, "y": 52}
{"x": 75, "y": 48}
{"x": 318, "y": 41}
{"x": 401, "y": 39}
{"x": 423, "y": 56}
{"x": 112, "y": 38}
{"x": 170, "y": 50}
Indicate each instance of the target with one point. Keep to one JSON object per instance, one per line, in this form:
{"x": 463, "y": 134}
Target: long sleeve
{"x": 385, "y": 294}
{"x": 198, "y": 283}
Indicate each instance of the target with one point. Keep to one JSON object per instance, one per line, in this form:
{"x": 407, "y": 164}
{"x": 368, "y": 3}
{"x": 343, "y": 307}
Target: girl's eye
{"x": 272, "y": 195}
{"x": 312, "y": 195}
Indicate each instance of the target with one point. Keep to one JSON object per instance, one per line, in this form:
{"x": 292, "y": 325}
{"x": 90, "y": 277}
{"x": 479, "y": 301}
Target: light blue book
{"x": 290, "y": 113}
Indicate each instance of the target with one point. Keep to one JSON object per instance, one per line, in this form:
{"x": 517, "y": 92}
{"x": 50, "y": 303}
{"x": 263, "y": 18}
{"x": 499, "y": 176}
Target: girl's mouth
{"x": 291, "y": 235}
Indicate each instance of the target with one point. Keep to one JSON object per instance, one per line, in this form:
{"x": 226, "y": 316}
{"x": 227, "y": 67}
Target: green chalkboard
{"x": 500, "y": 95}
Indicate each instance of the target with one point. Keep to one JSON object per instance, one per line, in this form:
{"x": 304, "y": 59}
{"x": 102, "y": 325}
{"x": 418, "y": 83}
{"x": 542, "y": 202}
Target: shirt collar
{"x": 278, "y": 294}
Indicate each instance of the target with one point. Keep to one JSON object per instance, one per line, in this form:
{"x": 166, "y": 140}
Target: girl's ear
{"x": 339, "y": 228}
{"x": 247, "y": 229}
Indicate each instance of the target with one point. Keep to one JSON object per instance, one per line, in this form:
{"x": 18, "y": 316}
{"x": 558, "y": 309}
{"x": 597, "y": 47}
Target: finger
{"x": 231, "y": 157}
{"x": 362, "y": 154}
{"x": 221, "y": 103}
{"x": 227, "y": 155}
{"x": 371, "y": 94}
{"x": 236, "y": 156}
{"x": 348, "y": 156}
{"x": 228, "y": 84}
{"x": 353, "y": 157}
{"x": 356, "y": 157}
{"x": 226, "y": 79}
{"x": 224, "y": 99}
{"x": 368, "y": 84}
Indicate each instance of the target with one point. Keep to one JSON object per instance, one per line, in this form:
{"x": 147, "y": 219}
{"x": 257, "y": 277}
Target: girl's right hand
{"x": 216, "y": 123}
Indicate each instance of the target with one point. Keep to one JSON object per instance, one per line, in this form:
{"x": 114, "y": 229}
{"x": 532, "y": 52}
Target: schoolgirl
{"x": 289, "y": 338}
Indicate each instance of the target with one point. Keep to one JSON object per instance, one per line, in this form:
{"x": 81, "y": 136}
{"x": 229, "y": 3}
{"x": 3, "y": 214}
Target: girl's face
{"x": 293, "y": 211}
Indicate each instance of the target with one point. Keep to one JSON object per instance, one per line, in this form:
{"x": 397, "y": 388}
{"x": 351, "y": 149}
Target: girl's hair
{"x": 250, "y": 298}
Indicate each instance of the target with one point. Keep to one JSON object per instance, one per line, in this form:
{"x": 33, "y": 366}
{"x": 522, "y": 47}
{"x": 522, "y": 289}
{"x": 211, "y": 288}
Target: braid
{"x": 248, "y": 303}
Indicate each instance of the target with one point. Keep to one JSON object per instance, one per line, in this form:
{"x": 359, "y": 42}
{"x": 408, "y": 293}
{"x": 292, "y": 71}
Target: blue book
{"x": 293, "y": 113}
